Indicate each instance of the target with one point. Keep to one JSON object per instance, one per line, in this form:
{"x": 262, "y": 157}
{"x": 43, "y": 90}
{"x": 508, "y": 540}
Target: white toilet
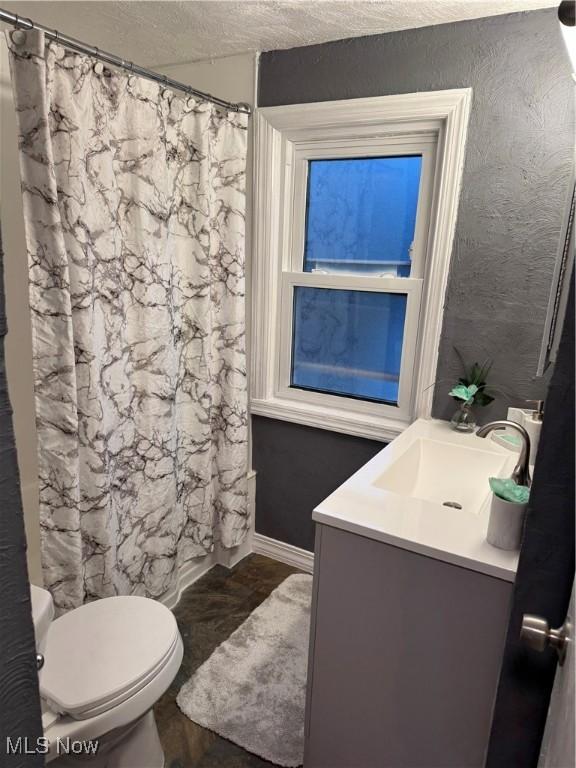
{"x": 105, "y": 665}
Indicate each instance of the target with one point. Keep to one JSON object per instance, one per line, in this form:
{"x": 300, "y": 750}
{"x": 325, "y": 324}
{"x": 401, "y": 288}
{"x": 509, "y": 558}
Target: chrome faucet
{"x": 521, "y": 473}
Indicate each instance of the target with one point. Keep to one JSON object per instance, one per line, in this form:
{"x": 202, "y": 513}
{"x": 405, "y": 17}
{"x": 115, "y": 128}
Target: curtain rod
{"x": 20, "y": 22}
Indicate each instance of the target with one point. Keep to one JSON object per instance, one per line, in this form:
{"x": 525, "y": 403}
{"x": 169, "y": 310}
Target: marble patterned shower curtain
{"x": 134, "y": 200}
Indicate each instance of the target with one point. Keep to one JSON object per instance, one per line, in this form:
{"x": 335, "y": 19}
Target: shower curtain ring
{"x": 165, "y": 89}
{"x": 21, "y": 21}
{"x": 18, "y": 36}
{"x": 98, "y": 67}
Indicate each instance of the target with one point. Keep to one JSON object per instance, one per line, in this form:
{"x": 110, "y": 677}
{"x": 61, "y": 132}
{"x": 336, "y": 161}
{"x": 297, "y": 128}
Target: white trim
{"x": 190, "y": 573}
{"x": 280, "y": 134}
{"x": 450, "y": 166}
{"x": 284, "y": 553}
{"x": 200, "y": 566}
{"x": 362, "y": 425}
{"x": 373, "y": 116}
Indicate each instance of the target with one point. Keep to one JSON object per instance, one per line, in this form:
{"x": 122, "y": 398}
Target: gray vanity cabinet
{"x": 405, "y": 652}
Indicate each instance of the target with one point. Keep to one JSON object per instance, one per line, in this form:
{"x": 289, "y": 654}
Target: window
{"x": 360, "y": 221}
{"x": 354, "y": 218}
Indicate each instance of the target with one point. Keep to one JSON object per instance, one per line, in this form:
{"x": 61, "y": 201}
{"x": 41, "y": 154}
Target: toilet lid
{"x": 104, "y": 652}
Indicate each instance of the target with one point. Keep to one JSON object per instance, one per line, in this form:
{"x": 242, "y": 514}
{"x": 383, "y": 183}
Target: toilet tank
{"x": 42, "y": 614}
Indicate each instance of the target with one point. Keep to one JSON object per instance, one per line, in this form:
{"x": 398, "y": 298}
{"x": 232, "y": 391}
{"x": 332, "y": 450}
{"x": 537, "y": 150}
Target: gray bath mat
{"x": 252, "y": 688}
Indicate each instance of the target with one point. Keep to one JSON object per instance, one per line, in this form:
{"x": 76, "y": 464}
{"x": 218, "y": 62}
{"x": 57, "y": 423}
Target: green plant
{"x": 472, "y": 384}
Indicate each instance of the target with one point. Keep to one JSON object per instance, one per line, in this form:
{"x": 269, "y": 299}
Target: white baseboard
{"x": 277, "y": 550}
{"x": 285, "y": 553}
{"x": 190, "y": 573}
{"x": 196, "y": 568}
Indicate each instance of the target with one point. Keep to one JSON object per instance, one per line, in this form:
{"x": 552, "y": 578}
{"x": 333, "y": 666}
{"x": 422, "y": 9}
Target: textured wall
{"x": 19, "y": 699}
{"x": 515, "y": 183}
{"x": 297, "y": 468}
{"x": 516, "y": 174}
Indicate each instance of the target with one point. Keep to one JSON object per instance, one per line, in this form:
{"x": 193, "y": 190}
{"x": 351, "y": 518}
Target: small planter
{"x": 506, "y": 524}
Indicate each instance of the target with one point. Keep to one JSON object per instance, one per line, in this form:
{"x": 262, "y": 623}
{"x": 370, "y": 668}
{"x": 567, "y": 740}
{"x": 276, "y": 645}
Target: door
{"x": 545, "y": 574}
{"x": 558, "y": 743}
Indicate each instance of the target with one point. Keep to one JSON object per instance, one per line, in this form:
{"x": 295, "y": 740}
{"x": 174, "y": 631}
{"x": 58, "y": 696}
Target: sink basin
{"x": 454, "y": 476}
{"x": 399, "y": 497}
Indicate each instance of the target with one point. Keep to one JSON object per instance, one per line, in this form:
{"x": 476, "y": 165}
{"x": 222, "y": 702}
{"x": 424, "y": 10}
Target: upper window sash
{"x": 389, "y": 146}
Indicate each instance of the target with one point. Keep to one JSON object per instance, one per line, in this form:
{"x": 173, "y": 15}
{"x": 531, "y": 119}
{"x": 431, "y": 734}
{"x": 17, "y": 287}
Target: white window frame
{"x": 433, "y": 124}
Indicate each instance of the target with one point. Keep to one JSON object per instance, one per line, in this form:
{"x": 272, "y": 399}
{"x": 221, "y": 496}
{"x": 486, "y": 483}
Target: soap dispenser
{"x": 531, "y": 420}
{"x": 533, "y": 424}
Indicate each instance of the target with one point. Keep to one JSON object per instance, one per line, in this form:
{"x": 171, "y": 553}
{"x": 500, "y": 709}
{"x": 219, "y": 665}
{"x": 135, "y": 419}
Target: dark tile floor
{"x": 208, "y": 612}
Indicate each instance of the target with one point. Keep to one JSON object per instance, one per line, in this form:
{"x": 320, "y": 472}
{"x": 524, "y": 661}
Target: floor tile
{"x": 207, "y": 614}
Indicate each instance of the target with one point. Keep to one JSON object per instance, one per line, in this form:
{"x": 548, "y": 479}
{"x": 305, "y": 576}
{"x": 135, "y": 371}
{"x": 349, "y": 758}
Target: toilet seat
{"x": 124, "y": 715}
{"x": 105, "y": 652}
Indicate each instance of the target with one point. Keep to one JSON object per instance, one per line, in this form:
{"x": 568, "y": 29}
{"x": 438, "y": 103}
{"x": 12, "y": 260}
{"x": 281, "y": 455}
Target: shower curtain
{"x": 134, "y": 200}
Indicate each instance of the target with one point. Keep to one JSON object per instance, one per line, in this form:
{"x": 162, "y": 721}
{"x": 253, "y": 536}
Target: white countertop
{"x": 455, "y": 536}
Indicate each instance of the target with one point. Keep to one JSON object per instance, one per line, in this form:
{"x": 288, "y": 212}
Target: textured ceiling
{"x": 171, "y": 32}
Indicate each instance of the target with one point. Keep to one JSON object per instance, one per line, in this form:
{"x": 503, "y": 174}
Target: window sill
{"x": 381, "y": 428}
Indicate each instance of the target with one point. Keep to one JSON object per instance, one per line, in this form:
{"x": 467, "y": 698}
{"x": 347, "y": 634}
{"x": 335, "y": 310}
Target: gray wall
{"x": 19, "y": 698}
{"x": 515, "y": 186}
{"x": 298, "y": 467}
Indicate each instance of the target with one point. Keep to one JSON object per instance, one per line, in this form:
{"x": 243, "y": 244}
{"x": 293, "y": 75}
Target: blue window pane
{"x": 348, "y": 342}
{"x": 361, "y": 214}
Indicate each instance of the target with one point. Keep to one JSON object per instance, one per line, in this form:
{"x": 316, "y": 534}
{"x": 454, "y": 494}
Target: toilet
{"x": 105, "y": 666}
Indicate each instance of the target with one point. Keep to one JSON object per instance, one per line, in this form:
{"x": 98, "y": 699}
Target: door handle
{"x": 537, "y": 635}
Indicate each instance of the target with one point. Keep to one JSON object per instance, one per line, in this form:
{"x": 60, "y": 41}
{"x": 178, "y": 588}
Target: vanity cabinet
{"x": 405, "y": 653}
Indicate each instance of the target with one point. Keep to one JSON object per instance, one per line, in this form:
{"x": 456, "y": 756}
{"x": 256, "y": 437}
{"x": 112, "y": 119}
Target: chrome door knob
{"x": 536, "y": 634}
